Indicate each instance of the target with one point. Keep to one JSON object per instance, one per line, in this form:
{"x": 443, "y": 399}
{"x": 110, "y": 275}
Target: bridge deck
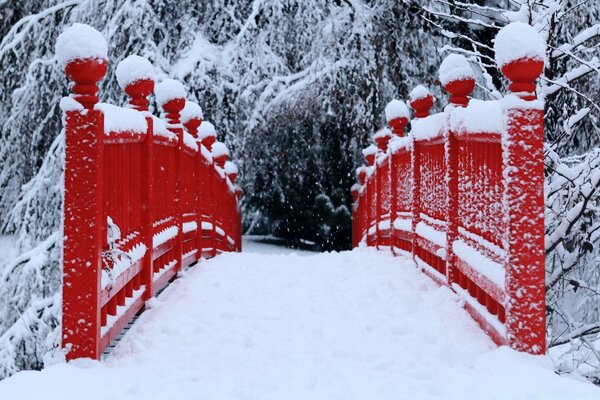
{"x": 354, "y": 325}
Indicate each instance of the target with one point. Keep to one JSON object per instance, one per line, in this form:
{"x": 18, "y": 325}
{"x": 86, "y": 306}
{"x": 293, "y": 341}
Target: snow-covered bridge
{"x": 148, "y": 200}
{"x": 274, "y": 324}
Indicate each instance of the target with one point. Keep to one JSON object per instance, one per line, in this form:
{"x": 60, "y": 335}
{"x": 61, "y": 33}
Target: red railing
{"x": 144, "y": 198}
{"x": 462, "y": 194}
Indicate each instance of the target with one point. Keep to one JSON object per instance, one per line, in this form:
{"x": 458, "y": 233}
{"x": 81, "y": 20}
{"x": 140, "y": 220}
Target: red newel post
{"x": 170, "y": 95}
{"x": 459, "y": 86}
{"x": 523, "y": 146}
{"x": 84, "y": 223}
{"x": 524, "y": 197}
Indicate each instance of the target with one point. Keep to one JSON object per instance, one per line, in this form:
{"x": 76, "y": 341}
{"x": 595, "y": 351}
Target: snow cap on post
{"x": 231, "y": 170}
{"x": 191, "y": 117}
{"x": 396, "y": 114}
{"x": 170, "y": 95}
{"x": 421, "y": 101}
{"x": 207, "y": 134}
{"x": 520, "y": 55}
{"x": 382, "y": 138}
{"x": 458, "y": 78}
{"x": 135, "y": 76}
{"x": 369, "y": 154}
{"x": 220, "y": 153}
{"x": 83, "y": 53}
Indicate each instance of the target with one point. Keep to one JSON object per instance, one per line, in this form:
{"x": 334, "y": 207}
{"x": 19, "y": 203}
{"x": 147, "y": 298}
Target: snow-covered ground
{"x": 352, "y": 325}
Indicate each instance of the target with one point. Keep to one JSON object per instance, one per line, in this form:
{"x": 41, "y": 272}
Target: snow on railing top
{"x": 70, "y": 104}
{"x": 470, "y": 118}
{"x": 429, "y": 127}
{"x": 160, "y": 129}
{"x": 397, "y": 143}
{"x": 132, "y": 69}
{"x": 80, "y": 42}
{"x": 190, "y": 142}
{"x": 121, "y": 120}
{"x": 517, "y": 41}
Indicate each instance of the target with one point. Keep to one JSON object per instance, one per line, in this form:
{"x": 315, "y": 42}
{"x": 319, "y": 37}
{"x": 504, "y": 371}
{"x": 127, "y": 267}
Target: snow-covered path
{"x": 352, "y": 325}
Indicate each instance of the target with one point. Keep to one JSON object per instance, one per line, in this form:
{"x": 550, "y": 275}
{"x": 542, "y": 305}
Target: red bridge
{"x": 147, "y": 199}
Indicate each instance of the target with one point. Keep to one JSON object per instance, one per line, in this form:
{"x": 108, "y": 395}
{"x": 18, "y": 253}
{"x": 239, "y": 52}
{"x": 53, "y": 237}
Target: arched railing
{"x": 462, "y": 194}
{"x": 144, "y": 196}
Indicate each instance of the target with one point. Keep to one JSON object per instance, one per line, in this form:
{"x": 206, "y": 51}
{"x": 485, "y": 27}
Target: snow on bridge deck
{"x": 353, "y": 325}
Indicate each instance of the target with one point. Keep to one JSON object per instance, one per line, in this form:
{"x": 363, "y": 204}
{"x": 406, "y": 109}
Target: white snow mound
{"x": 396, "y": 109}
{"x": 230, "y": 168}
{"x": 80, "y": 41}
{"x": 133, "y": 68}
{"x": 455, "y": 67}
{"x": 169, "y": 89}
{"x": 219, "y": 149}
{"x": 191, "y": 111}
{"x": 518, "y": 40}
{"x": 205, "y": 130}
{"x": 370, "y": 150}
{"x": 419, "y": 92}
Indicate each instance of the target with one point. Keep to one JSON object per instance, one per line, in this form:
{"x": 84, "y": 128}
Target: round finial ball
{"x": 206, "y": 130}
{"x": 455, "y": 67}
{"x": 80, "y": 42}
{"x": 191, "y": 111}
{"x": 396, "y": 109}
{"x": 230, "y": 168}
{"x": 167, "y": 90}
{"x": 219, "y": 149}
{"x": 419, "y": 92}
{"x": 132, "y": 69}
{"x": 517, "y": 41}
